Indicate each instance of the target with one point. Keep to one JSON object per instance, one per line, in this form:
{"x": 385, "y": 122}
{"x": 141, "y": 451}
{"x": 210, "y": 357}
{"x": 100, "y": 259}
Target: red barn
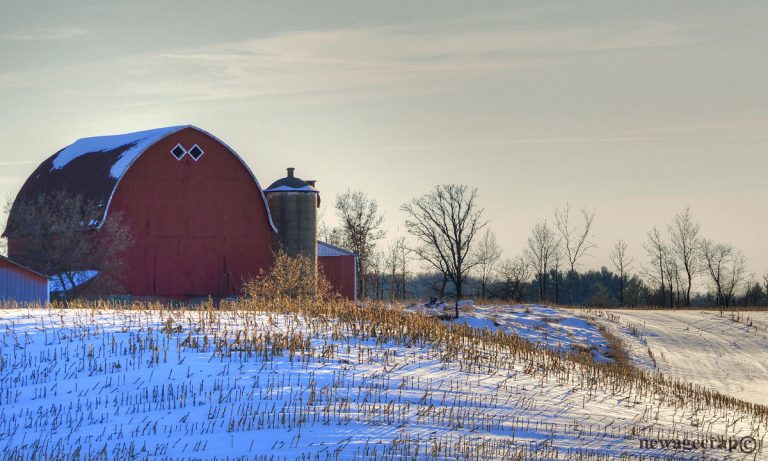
{"x": 200, "y": 221}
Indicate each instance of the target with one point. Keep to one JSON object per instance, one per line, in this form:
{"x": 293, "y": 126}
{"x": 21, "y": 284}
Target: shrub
{"x": 291, "y": 278}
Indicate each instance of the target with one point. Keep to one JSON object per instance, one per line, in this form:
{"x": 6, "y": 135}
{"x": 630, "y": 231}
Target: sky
{"x": 633, "y": 109}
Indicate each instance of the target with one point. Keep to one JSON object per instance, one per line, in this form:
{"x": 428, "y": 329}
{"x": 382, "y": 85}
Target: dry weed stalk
{"x": 322, "y": 362}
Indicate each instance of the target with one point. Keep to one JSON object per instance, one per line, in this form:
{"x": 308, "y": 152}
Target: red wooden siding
{"x": 340, "y": 272}
{"x": 21, "y": 285}
{"x": 200, "y": 227}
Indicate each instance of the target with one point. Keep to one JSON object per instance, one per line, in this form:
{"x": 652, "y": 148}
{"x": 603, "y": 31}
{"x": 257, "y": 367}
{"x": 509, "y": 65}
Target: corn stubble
{"x": 295, "y": 360}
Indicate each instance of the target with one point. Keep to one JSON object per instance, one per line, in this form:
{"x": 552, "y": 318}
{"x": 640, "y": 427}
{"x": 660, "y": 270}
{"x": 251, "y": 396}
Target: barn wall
{"x": 200, "y": 227}
{"x": 17, "y": 284}
{"x": 340, "y": 272}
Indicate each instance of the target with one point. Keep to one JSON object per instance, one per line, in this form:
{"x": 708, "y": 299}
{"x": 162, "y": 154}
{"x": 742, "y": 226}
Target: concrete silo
{"x": 293, "y": 203}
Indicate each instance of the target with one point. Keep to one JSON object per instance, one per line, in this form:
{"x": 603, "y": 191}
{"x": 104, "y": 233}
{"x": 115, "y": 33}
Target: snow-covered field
{"x": 131, "y": 384}
{"x": 549, "y": 327}
{"x": 726, "y": 352}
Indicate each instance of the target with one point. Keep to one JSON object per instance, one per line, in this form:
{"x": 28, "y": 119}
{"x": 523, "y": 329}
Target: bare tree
{"x": 622, "y": 262}
{"x": 556, "y": 274}
{"x": 359, "y": 229}
{"x": 515, "y": 273}
{"x": 675, "y": 283}
{"x": 446, "y": 222}
{"x": 396, "y": 261}
{"x": 753, "y": 294}
{"x": 323, "y": 229}
{"x": 437, "y": 282}
{"x": 55, "y": 234}
{"x": 488, "y": 255}
{"x": 541, "y": 253}
{"x": 7, "y": 204}
{"x": 335, "y": 236}
{"x": 685, "y": 245}
{"x": 726, "y": 267}
{"x": 657, "y": 251}
{"x": 575, "y": 240}
{"x": 376, "y": 275}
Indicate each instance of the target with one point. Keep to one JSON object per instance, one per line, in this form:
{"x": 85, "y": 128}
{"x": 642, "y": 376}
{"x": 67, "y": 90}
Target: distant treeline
{"x": 450, "y": 252}
{"x": 598, "y": 288}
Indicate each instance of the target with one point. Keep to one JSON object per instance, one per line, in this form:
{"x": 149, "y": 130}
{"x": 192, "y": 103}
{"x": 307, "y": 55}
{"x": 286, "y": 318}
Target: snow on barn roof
{"x": 326, "y": 249}
{"x": 130, "y": 145}
{"x": 90, "y": 167}
{"x": 93, "y": 167}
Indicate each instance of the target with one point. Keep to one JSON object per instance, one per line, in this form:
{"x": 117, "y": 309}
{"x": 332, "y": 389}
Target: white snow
{"x": 727, "y": 353}
{"x": 78, "y": 278}
{"x": 139, "y": 141}
{"x": 549, "y": 327}
{"x": 326, "y": 249}
{"x": 172, "y": 385}
{"x": 292, "y": 189}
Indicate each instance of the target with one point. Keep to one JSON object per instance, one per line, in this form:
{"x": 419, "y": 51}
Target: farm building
{"x": 21, "y": 284}
{"x": 338, "y": 266}
{"x": 200, "y": 221}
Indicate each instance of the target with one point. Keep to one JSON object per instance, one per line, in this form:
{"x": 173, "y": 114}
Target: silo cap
{"x": 292, "y": 184}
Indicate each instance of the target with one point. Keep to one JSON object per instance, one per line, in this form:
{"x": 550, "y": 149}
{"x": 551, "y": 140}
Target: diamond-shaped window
{"x": 196, "y": 152}
{"x": 178, "y": 151}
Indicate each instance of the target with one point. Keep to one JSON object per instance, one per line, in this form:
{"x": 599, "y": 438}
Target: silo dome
{"x": 293, "y": 203}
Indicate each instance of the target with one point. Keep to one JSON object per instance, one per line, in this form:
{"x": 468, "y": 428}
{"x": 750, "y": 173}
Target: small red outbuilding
{"x": 21, "y": 284}
{"x": 339, "y": 268}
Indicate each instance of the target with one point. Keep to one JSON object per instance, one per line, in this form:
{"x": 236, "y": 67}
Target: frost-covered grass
{"x": 326, "y": 382}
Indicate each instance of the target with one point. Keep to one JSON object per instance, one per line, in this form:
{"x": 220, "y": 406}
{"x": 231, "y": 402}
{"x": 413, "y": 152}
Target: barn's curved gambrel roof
{"x": 93, "y": 168}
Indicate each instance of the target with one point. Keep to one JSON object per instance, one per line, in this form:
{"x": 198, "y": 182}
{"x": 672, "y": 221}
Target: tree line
{"x": 450, "y": 251}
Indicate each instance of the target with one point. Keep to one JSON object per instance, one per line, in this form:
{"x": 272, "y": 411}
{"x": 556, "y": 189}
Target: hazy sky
{"x": 636, "y": 109}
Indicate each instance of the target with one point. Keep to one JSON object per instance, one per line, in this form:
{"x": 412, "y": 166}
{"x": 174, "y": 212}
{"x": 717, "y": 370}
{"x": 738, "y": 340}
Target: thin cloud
{"x": 49, "y": 34}
{"x": 341, "y": 63}
{"x": 555, "y": 140}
